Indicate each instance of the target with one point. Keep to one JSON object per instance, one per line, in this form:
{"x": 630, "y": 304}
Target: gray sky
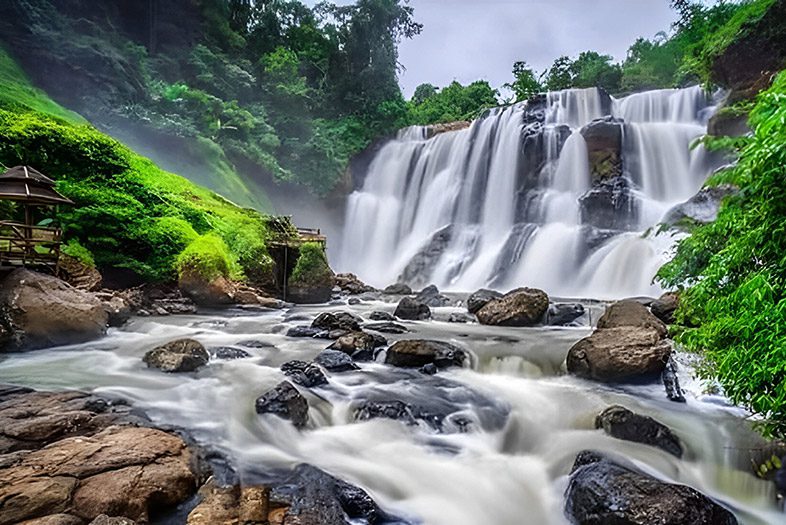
{"x": 467, "y": 40}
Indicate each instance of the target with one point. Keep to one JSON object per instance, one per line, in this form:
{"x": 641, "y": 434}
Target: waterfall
{"x": 558, "y": 193}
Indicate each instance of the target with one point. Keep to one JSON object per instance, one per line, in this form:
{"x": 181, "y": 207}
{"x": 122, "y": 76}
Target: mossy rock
{"x": 312, "y": 280}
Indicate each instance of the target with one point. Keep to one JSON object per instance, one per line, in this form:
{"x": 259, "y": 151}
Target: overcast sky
{"x": 467, "y": 40}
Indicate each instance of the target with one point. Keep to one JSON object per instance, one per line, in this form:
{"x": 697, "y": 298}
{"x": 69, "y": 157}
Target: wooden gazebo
{"x": 24, "y": 243}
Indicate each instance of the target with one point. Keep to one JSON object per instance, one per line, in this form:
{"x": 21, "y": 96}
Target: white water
{"x": 508, "y": 472}
{"x": 475, "y": 180}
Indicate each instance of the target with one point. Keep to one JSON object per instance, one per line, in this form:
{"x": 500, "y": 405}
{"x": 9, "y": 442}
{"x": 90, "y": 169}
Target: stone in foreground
{"x": 415, "y": 353}
{"x": 286, "y": 402}
{"x": 630, "y": 313}
{"x": 621, "y": 423}
{"x": 602, "y": 492}
{"x": 181, "y": 355}
{"x": 412, "y": 310}
{"x": 521, "y": 307}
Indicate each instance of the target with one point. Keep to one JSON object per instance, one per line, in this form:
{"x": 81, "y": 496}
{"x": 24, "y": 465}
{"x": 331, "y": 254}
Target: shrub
{"x": 208, "y": 257}
{"x": 312, "y": 266}
{"x": 73, "y": 249}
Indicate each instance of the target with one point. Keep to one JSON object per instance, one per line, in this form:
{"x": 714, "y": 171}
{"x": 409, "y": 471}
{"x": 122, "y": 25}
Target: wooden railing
{"x": 23, "y": 245}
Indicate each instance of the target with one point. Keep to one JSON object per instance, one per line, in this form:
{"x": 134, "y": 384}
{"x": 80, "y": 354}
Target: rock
{"x": 621, "y": 423}
{"x": 304, "y": 374}
{"x": 461, "y": 318}
{"x": 353, "y": 301}
{"x": 610, "y": 204}
{"x": 286, "y": 402}
{"x": 38, "y": 311}
{"x": 604, "y": 147}
{"x": 227, "y": 352}
{"x": 412, "y": 310}
{"x": 118, "y": 311}
{"x": 57, "y": 519}
{"x": 103, "y": 519}
{"x": 306, "y": 331}
{"x": 78, "y": 274}
{"x": 381, "y": 316}
{"x": 479, "y": 299}
{"x": 631, "y": 313}
{"x": 430, "y": 296}
{"x": 432, "y": 130}
{"x": 337, "y": 321}
{"x": 218, "y": 291}
{"x": 387, "y": 328}
{"x": 422, "y": 265}
{"x": 255, "y": 343}
{"x": 521, "y": 307}
{"x": 429, "y": 369}
{"x": 626, "y": 353}
{"x": 181, "y": 355}
{"x": 415, "y": 353}
{"x": 601, "y": 491}
{"x": 702, "y": 208}
{"x": 312, "y": 279}
{"x": 335, "y": 361}
{"x": 664, "y": 307}
{"x": 398, "y": 289}
{"x": 349, "y": 283}
{"x": 563, "y": 314}
{"x": 728, "y": 122}
{"x": 353, "y": 342}
{"x": 232, "y": 505}
{"x": 671, "y": 382}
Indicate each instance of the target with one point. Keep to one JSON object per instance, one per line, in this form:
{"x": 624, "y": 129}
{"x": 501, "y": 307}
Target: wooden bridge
{"x": 24, "y": 245}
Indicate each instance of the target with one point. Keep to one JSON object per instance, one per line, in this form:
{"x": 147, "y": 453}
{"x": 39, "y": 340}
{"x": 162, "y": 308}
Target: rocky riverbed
{"x": 401, "y": 421}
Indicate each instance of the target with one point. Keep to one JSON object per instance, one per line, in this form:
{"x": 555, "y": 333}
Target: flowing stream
{"x": 511, "y": 201}
{"x": 524, "y": 419}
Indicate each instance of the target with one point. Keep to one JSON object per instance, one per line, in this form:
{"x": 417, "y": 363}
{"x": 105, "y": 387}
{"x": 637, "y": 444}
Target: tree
{"x": 525, "y": 83}
{"x": 592, "y": 69}
{"x": 423, "y": 92}
{"x": 560, "y": 75}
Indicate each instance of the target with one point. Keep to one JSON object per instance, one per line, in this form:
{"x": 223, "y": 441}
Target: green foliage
{"x": 312, "y": 266}
{"x": 734, "y": 272}
{"x": 455, "y": 102}
{"x": 79, "y": 252}
{"x": 525, "y": 83}
{"x": 208, "y": 257}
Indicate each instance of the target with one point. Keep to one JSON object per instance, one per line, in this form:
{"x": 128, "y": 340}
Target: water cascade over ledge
{"x": 560, "y": 193}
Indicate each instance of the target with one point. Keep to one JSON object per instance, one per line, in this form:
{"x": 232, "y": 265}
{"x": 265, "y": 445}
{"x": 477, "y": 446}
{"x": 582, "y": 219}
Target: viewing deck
{"x": 304, "y": 235}
{"x": 23, "y": 245}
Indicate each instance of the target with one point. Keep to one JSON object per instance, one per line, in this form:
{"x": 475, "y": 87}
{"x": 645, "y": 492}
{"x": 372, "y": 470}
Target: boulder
{"x": 521, "y": 307}
{"x": 422, "y": 265}
{"x": 621, "y": 423}
{"x": 285, "y": 402}
{"x": 337, "y": 321}
{"x": 627, "y": 353}
{"x": 381, "y": 316}
{"x": 79, "y": 274}
{"x": 702, "y": 208}
{"x": 461, "y": 318}
{"x": 118, "y": 310}
{"x": 479, "y": 299}
{"x": 631, "y": 313}
{"x": 335, "y": 361}
{"x": 414, "y": 353}
{"x": 671, "y": 382}
{"x": 430, "y": 296}
{"x": 664, "y": 307}
{"x": 563, "y": 314}
{"x": 247, "y": 504}
{"x": 412, "y": 309}
{"x": 181, "y": 355}
{"x": 307, "y": 331}
{"x": 103, "y": 519}
{"x": 601, "y": 491}
{"x": 38, "y": 311}
{"x": 387, "y": 328}
{"x": 604, "y": 147}
{"x": 353, "y": 342}
{"x": 218, "y": 291}
{"x": 228, "y": 352}
{"x": 312, "y": 280}
{"x": 610, "y": 204}
{"x": 398, "y": 289}
{"x": 304, "y": 374}
{"x": 349, "y": 283}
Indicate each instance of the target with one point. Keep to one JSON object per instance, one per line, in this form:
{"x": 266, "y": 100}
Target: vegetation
{"x": 430, "y": 105}
{"x": 312, "y": 266}
{"x": 734, "y": 272}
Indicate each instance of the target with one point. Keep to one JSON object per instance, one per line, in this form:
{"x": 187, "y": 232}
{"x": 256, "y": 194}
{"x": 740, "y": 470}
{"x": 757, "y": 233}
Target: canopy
{"x": 29, "y": 186}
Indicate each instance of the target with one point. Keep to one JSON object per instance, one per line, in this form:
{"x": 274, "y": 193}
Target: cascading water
{"x": 524, "y": 197}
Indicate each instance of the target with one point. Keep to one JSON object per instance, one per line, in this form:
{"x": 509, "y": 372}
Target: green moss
{"x": 312, "y": 266}
{"x": 79, "y": 252}
{"x": 209, "y": 257}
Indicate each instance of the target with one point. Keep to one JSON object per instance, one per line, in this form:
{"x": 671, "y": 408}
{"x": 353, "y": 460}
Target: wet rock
{"x": 429, "y": 369}
{"x": 304, "y": 374}
{"x": 563, "y": 314}
{"x": 57, "y": 519}
{"x": 601, "y": 491}
{"x": 353, "y": 301}
{"x": 620, "y": 354}
{"x": 398, "y": 289}
{"x": 521, "y": 307}
{"x": 306, "y": 331}
{"x": 387, "y": 328}
{"x": 621, "y": 423}
{"x": 664, "y": 307}
{"x": 227, "y": 352}
{"x": 702, "y": 208}
{"x": 181, "y": 355}
{"x": 256, "y": 343}
{"x": 412, "y": 310}
{"x": 604, "y": 147}
{"x": 335, "y": 361}
{"x": 103, "y": 519}
{"x": 337, "y": 321}
{"x": 118, "y": 310}
{"x": 285, "y": 402}
{"x": 431, "y": 297}
{"x": 422, "y": 265}
{"x": 671, "y": 382}
{"x": 381, "y": 316}
{"x": 610, "y": 204}
{"x": 246, "y": 505}
{"x": 349, "y": 283}
{"x": 354, "y": 341}
{"x": 415, "y": 353}
{"x": 218, "y": 291}
{"x": 479, "y": 299}
{"x": 78, "y": 274}
{"x": 631, "y": 313}
{"x": 460, "y": 318}
{"x": 38, "y": 311}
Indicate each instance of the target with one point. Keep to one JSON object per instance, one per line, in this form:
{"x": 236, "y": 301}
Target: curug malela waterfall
{"x": 561, "y": 193}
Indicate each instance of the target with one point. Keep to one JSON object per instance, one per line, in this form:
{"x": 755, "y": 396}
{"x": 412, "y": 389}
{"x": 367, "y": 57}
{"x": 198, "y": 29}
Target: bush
{"x": 73, "y": 249}
{"x": 312, "y": 266}
{"x": 209, "y": 258}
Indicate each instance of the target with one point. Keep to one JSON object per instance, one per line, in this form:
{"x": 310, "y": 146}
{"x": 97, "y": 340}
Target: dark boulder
{"x": 461, "y": 318}
{"x": 621, "y": 423}
{"x": 227, "y": 352}
{"x": 671, "y": 382}
{"x": 415, "y": 353}
{"x": 335, "y": 361}
{"x": 631, "y": 313}
{"x": 181, "y": 355}
{"x": 430, "y": 296}
{"x": 286, "y": 402}
{"x": 664, "y": 307}
{"x": 422, "y": 265}
{"x": 412, "y": 310}
{"x": 387, "y": 328}
{"x": 520, "y": 307}
{"x": 349, "y": 283}
{"x": 398, "y": 289}
{"x": 479, "y": 299}
{"x": 256, "y": 343}
{"x": 337, "y": 321}
{"x": 381, "y": 316}
{"x": 354, "y": 342}
{"x": 602, "y": 492}
{"x": 563, "y": 314}
{"x": 304, "y": 374}
{"x": 604, "y": 147}
{"x": 702, "y": 208}
{"x": 307, "y": 331}
{"x": 610, "y": 205}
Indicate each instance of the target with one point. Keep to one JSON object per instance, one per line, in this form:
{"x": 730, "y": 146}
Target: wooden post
{"x": 286, "y": 269}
